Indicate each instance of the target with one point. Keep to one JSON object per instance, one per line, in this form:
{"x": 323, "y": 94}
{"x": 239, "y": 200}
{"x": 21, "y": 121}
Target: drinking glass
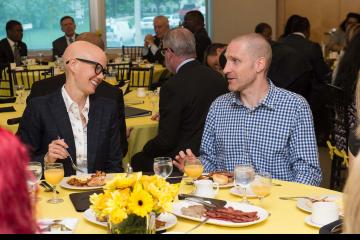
{"x": 243, "y": 175}
{"x": 36, "y": 171}
{"x": 261, "y": 185}
{"x": 40, "y": 55}
{"x": 54, "y": 173}
{"x": 193, "y": 168}
{"x": 163, "y": 166}
{"x": 154, "y": 99}
{"x": 19, "y": 92}
{"x": 24, "y": 60}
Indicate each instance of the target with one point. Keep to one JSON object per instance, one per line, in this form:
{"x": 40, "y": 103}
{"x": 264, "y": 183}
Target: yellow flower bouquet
{"x": 128, "y": 201}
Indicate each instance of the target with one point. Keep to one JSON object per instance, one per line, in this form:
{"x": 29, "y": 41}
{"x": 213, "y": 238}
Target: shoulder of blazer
{"x": 59, "y": 40}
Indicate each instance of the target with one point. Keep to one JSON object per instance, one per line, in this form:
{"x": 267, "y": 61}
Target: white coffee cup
{"x": 205, "y": 188}
{"x": 324, "y": 212}
{"x": 140, "y": 92}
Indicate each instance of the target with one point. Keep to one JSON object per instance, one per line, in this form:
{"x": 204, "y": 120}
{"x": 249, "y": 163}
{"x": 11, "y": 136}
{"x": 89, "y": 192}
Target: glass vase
{"x": 134, "y": 224}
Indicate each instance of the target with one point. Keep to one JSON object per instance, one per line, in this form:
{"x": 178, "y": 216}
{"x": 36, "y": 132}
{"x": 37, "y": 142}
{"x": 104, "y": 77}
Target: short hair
{"x": 301, "y": 25}
{"x": 181, "y": 41}
{"x": 289, "y": 24}
{"x": 349, "y": 15}
{"x": 260, "y": 28}
{"x": 163, "y": 18}
{"x": 196, "y": 16}
{"x": 67, "y": 17}
{"x": 91, "y": 38}
{"x": 211, "y": 49}
{"x": 11, "y": 23}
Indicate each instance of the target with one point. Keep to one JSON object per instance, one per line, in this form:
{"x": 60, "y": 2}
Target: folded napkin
{"x": 7, "y": 109}
{"x": 61, "y": 226}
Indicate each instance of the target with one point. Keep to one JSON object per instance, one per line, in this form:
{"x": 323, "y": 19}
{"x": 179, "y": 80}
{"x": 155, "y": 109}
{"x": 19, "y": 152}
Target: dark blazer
{"x": 45, "y": 118}
{"x": 202, "y": 42}
{"x": 6, "y": 53}
{"x": 50, "y": 85}
{"x": 59, "y": 45}
{"x": 184, "y": 103}
{"x": 158, "y": 57}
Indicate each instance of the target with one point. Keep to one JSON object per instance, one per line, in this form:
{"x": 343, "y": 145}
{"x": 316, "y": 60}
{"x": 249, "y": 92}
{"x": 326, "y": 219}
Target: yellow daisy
{"x": 140, "y": 202}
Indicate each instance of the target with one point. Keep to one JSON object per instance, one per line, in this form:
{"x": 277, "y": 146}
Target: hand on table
{"x": 57, "y": 150}
{"x": 179, "y": 161}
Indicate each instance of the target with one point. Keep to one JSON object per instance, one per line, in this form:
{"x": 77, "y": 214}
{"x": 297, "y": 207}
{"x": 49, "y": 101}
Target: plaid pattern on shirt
{"x": 277, "y": 136}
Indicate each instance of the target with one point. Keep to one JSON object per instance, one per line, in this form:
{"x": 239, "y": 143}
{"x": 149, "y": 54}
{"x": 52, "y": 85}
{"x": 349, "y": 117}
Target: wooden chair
{"x": 27, "y": 77}
{"x": 132, "y": 51}
{"x": 120, "y": 70}
{"x": 141, "y": 76}
{"x": 6, "y": 83}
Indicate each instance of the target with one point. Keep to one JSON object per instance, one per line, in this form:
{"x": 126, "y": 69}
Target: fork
{"x": 72, "y": 161}
{"x": 198, "y": 225}
{"x": 309, "y": 198}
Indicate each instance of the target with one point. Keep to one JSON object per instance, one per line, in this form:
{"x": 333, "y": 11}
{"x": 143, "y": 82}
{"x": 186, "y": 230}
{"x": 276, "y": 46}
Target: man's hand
{"x": 56, "y": 150}
{"x": 149, "y": 40}
{"x": 179, "y": 161}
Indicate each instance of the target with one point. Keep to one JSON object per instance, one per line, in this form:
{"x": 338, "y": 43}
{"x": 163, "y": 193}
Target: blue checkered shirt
{"x": 277, "y": 136}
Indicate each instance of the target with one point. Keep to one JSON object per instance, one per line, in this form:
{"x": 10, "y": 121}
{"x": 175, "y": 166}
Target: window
{"x": 128, "y": 21}
{"x": 40, "y": 19}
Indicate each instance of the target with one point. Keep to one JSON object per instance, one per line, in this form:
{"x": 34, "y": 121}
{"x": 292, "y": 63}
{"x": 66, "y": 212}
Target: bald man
{"x": 73, "y": 120}
{"x": 258, "y": 123}
{"x": 153, "y": 44}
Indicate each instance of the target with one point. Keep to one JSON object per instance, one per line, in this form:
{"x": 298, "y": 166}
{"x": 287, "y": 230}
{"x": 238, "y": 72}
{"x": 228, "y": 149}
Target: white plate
{"x": 64, "y": 183}
{"x": 305, "y": 204}
{"x": 169, "y": 219}
{"x": 262, "y": 213}
{"x": 237, "y": 192}
{"x": 311, "y": 223}
{"x": 230, "y": 184}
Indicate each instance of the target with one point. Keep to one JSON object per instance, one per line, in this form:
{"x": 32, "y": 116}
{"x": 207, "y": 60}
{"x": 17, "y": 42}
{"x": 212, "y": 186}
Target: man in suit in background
{"x": 11, "y": 47}
{"x": 68, "y": 26}
{"x": 184, "y": 101}
{"x": 74, "y": 120}
{"x": 50, "y": 85}
{"x": 195, "y": 22}
{"x": 153, "y": 44}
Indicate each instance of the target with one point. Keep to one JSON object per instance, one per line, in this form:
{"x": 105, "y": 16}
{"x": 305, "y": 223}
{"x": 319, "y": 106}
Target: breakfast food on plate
{"x": 196, "y": 211}
{"x": 95, "y": 180}
{"x": 232, "y": 215}
{"x": 220, "y": 179}
{"x": 159, "y": 224}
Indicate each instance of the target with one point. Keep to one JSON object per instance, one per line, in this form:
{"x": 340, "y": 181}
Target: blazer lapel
{"x": 93, "y": 129}
{"x": 62, "y": 121}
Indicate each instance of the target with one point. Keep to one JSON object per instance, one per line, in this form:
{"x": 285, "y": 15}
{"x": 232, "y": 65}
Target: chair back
{"x": 132, "y": 51}
{"x": 27, "y": 77}
{"x": 120, "y": 70}
{"x": 141, "y": 76}
{"x": 6, "y": 83}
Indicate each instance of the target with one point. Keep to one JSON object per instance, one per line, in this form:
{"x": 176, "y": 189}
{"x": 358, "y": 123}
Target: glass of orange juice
{"x": 193, "y": 168}
{"x": 261, "y": 185}
{"x": 54, "y": 173}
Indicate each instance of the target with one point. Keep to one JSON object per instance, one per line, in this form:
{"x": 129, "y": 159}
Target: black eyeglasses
{"x": 98, "y": 67}
{"x": 163, "y": 50}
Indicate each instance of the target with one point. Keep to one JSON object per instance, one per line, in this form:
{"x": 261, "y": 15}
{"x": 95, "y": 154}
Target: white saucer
{"x": 311, "y": 223}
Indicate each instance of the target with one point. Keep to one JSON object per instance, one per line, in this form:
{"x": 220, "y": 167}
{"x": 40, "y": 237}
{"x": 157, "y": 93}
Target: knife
{"x": 217, "y": 202}
{"x": 48, "y": 186}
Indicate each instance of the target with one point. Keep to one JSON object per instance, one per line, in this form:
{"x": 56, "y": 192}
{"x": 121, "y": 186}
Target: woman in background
{"x": 16, "y": 209}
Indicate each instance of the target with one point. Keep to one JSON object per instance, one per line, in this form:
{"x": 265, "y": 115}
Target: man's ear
{"x": 260, "y": 64}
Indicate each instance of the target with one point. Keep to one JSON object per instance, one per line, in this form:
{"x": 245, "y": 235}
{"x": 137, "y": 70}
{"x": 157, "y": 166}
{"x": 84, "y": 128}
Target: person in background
{"x": 12, "y": 47}
{"x": 337, "y": 39}
{"x": 68, "y": 26}
{"x": 17, "y": 212}
{"x": 212, "y": 56}
{"x": 265, "y": 30}
{"x": 74, "y": 121}
{"x": 50, "y": 85}
{"x": 184, "y": 101}
{"x": 258, "y": 123}
{"x": 195, "y": 22}
{"x": 153, "y": 44}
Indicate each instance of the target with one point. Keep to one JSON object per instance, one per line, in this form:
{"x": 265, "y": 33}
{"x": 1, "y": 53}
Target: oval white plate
{"x": 311, "y": 223}
{"x": 169, "y": 219}
{"x": 262, "y": 213}
{"x": 305, "y": 204}
{"x": 249, "y": 192}
{"x": 64, "y": 183}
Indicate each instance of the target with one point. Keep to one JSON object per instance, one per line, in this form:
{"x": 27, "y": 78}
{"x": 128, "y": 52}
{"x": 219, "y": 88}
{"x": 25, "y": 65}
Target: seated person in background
{"x": 68, "y": 26}
{"x": 212, "y": 55}
{"x": 11, "y": 47}
{"x": 265, "y": 30}
{"x": 153, "y": 44}
{"x": 195, "y": 22}
{"x": 184, "y": 101}
{"x": 73, "y": 120}
{"x": 52, "y": 84}
{"x": 337, "y": 40}
{"x": 17, "y": 213}
{"x": 258, "y": 123}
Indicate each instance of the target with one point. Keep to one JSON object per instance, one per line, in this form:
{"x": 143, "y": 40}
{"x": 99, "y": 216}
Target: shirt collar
{"x": 300, "y": 34}
{"x": 268, "y": 101}
{"x": 183, "y": 63}
{"x": 11, "y": 42}
{"x": 69, "y": 102}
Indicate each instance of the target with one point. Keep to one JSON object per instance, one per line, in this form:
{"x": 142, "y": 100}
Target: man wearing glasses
{"x": 73, "y": 120}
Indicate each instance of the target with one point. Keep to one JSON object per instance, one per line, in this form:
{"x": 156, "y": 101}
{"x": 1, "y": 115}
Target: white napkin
{"x": 68, "y": 222}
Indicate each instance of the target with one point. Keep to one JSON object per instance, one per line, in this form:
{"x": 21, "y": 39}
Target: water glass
{"x": 24, "y": 60}
{"x": 154, "y": 100}
{"x": 244, "y": 174}
{"x": 54, "y": 173}
{"x": 163, "y": 166}
{"x": 40, "y": 55}
{"x": 35, "y": 170}
{"x": 261, "y": 185}
{"x": 19, "y": 92}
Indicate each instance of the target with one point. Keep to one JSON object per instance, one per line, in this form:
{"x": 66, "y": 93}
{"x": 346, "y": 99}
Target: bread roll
{"x": 220, "y": 179}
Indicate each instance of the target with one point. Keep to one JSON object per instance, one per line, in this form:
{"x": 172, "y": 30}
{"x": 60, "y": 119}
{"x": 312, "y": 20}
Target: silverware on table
{"x": 337, "y": 228}
{"x": 198, "y": 225}
{"x": 309, "y": 198}
{"x": 72, "y": 161}
{"x": 215, "y": 202}
{"x": 46, "y": 185}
